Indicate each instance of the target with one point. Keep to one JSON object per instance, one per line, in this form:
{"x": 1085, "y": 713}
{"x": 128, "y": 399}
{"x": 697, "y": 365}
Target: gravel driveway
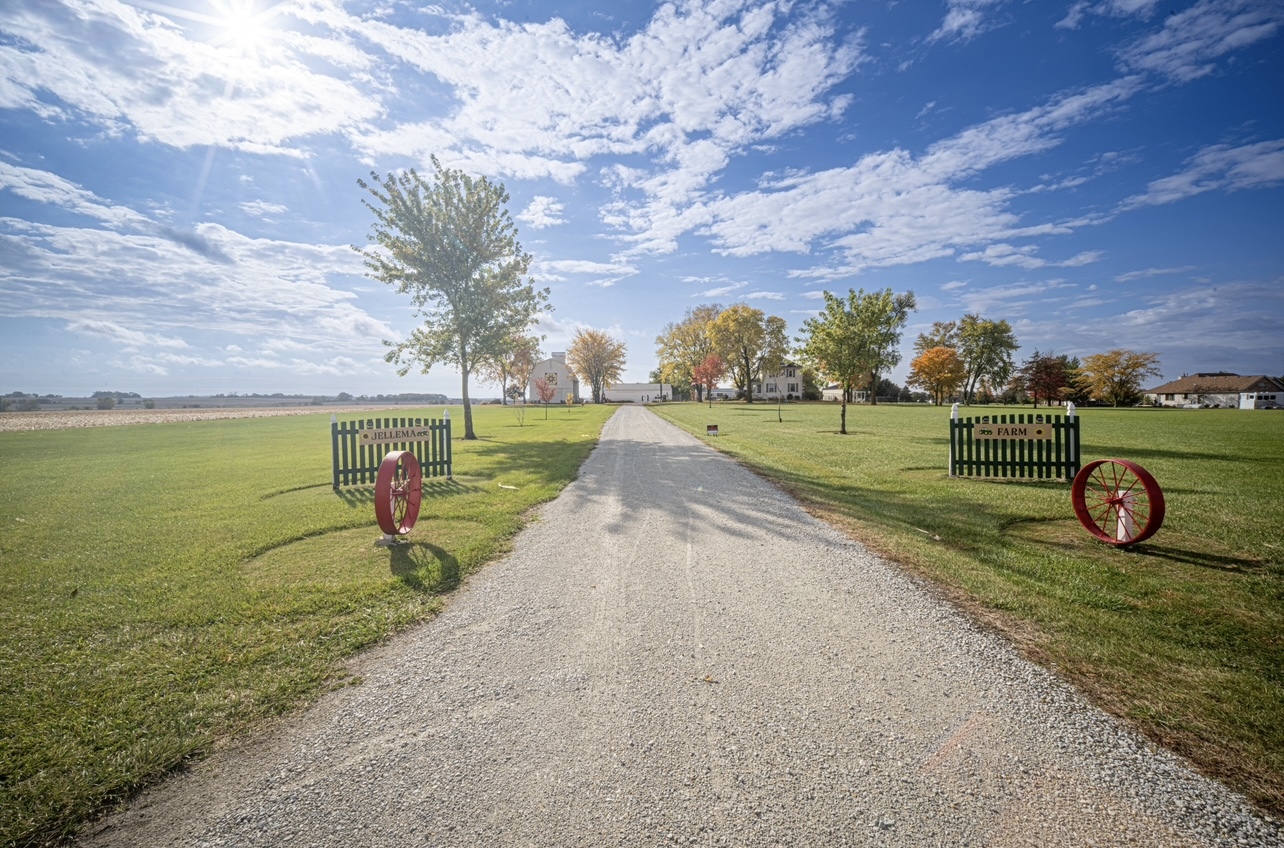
{"x": 676, "y": 654}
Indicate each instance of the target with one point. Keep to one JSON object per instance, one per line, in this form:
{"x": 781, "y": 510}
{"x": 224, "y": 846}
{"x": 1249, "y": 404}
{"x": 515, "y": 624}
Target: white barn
{"x": 558, "y": 375}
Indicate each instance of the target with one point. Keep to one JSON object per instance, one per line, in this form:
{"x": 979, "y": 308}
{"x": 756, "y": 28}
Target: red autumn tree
{"x": 708, "y": 373}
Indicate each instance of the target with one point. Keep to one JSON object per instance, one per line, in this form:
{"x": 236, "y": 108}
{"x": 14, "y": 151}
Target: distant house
{"x": 785, "y": 384}
{"x": 638, "y": 393}
{"x": 834, "y": 392}
{"x": 1219, "y": 389}
{"x": 557, "y": 374}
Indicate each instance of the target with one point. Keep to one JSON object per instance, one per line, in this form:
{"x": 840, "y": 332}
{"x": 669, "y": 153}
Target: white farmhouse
{"x": 786, "y": 384}
{"x": 558, "y": 375}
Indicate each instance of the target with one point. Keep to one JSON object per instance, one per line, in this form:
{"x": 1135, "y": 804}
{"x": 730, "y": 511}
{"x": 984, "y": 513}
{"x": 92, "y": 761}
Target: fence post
{"x": 334, "y": 448}
{"x": 1072, "y": 442}
{"x": 450, "y": 469}
{"x": 954, "y": 417}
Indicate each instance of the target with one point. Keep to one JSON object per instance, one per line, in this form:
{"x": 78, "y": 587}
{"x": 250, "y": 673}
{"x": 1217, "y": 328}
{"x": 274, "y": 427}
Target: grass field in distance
{"x": 1182, "y": 635}
{"x": 167, "y": 585}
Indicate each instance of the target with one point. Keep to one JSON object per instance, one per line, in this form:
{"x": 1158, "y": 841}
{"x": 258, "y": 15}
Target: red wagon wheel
{"x": 1117, "y": 501}
{"x": 398, "y": 490}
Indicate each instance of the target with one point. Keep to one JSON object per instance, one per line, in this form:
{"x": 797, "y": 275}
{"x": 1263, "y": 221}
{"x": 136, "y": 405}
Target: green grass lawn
{"x": 167, "y": 585}
{"x": 1182, "y": 635}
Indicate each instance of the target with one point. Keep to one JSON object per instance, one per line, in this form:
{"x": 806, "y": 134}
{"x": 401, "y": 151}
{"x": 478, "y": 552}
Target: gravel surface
{"x": 676, "y": 654}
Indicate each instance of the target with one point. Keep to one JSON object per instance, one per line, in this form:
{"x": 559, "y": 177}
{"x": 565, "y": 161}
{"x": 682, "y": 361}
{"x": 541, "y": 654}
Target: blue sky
{"x": 178, "y": 190}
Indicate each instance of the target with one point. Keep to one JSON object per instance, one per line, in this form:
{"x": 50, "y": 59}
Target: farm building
{"x": 1219, "y": 389}
{"x": 558, "y": 375}
{"x": 638, "y": 393}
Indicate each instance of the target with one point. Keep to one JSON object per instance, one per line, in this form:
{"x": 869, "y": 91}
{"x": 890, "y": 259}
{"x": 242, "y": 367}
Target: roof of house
{"x": 1218, "y": 383}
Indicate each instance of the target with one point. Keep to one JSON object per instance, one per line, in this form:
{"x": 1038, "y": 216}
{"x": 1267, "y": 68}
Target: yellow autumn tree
{"x": 939, "y": 371}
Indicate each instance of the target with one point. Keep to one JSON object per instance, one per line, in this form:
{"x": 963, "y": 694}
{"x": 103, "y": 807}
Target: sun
{"x": 244, "y": 24}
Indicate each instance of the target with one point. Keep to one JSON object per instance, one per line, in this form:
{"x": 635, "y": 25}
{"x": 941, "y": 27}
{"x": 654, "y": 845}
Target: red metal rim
{"x": 398, "y": 490}
{"x": 1117, "y": 501}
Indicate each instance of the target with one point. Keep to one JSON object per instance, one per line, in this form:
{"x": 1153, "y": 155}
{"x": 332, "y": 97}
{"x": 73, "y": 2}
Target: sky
{"x": 179, "y": 202}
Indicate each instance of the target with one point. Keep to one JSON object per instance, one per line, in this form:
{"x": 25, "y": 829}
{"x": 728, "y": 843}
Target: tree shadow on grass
{"x": 433, "y": 487}
{"x": 546, "y": 462}
{"x": 424, "y": 567}
{"x": 1202, "y": 559}
{"x": 1093, "y": 451}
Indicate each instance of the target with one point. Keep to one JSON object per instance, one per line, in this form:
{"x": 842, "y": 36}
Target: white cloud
{"x": 262, "y": 208}
{"x": 45, "y": 187}
{"x": 133, "y": 70}
{"x": 1237, "y": 322}
{"x": 1111, "y": 8}
{"x": 542, "y": 212}
{"x": 127, "y": 338}
{"x": 1152, "y": 272}
{"x": 954, "y": 284}
{"x": 1012, "y": 299}
{"x": 1219, "y": 167}
{"x": 964, "y": 20}
{"x": 1188, "y": 44}
{"x": 890, "y": 208}
{"x": 720, "y": 291}
{"x": 763, "y": 295}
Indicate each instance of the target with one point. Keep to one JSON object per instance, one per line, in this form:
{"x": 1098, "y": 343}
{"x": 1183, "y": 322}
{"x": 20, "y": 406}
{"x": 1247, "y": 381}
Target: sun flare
{"x": 243, "y": 23}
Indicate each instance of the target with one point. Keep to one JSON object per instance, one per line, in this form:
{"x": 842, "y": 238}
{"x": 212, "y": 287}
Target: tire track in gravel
{"x": 676, "y": 654}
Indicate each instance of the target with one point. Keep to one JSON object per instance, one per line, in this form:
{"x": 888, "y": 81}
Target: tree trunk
{"x": 468, "y": 409}
{"x": 842, "y": 418}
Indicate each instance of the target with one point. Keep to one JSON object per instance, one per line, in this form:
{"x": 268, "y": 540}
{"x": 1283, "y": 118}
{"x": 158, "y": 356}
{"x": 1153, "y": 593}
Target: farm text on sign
{"x": 400, "y": 434}
{"x": 1012, "y": 431}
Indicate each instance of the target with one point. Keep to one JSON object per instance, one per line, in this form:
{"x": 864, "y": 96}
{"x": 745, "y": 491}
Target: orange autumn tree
{"x": 939, "y": 372}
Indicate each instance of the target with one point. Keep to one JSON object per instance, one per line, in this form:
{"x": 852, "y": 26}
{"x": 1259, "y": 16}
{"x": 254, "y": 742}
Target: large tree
{"x": 939, "y": 371}
{"x": 597, "y": 359}
{"x": 1115, "y": 377}
{"x": 450, "y": 244}
{"x": 750, "y": 343}
{"x": 986, "y": 348}
{"x": 855, "y": 338}
{"x": 684, "y": 346}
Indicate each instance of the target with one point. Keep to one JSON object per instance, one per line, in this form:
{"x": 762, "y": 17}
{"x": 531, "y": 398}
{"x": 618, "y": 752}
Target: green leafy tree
{"x": 855, "y": 338}
{"x": 1115, "y": 377}
{"x": 750, "y": 343}
{"x": 597, "y": 359}
{"x": 986, "y": 348}
{"x": 942, "y": 334}
{"x": 450, "y": 244}
{"x": 684, "y": 346}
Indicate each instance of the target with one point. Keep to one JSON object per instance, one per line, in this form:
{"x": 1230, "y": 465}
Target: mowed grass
{"x": 1182, "y": 635}
{"x": 167, "y": 585}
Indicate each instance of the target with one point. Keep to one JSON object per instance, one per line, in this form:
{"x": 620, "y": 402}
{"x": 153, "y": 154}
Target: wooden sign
{"x": 1011, "y": 431}
{"x": 711, "y": 430}
{"x": 396, "y": 434}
